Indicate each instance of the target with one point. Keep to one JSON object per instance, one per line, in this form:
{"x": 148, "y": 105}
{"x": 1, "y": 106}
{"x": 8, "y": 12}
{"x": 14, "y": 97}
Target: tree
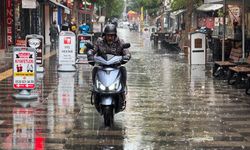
{"x": 75, "y": 10}
{"x": 112, "y": 8}
{"x": 190, "y": 6}
{"x": 152, "y": 6}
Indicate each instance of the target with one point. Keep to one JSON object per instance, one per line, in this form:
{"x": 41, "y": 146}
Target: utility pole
{"x": 224, "y": 31}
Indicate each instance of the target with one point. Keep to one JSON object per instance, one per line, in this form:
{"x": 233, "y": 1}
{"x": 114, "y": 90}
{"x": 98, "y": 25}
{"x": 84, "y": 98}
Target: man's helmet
{"x": 110, "y": 29}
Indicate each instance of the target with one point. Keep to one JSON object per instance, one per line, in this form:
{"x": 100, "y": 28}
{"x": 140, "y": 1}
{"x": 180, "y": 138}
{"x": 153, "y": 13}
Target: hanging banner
{"x": 142, "y": 16}
{"x": 234, "y": 14}
{"x": 24, "y": 68}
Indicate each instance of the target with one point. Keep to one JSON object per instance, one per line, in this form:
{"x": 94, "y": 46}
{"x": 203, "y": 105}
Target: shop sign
{"x": 9, "y": 14}
{"x": 29, "y": 4}
{"x": 24, "y": 68}
{"x": 37, "y": 44}
{"x": 20, "y": 42}
{"x": 67, "y": 48}
{"x": 219, "y": 20}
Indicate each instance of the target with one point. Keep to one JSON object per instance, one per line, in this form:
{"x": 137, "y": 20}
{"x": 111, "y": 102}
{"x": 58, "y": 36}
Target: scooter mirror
{"x": 126, "y": 45}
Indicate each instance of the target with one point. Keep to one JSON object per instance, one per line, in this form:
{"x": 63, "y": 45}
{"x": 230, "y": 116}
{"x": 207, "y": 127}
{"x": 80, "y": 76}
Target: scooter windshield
{"x": 108, "y": 59}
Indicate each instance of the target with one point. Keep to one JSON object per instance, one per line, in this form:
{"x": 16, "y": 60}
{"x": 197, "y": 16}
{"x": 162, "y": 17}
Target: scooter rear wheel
{"x": 108, "y": 115}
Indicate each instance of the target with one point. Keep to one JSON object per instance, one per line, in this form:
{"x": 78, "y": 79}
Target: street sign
{"x": 24, "y": 68}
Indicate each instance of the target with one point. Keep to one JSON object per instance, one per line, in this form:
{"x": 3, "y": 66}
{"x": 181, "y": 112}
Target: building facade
{"x": 20, "y": 18}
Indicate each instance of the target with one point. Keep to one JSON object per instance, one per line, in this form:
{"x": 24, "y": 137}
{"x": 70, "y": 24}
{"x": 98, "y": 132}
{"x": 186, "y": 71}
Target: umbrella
{"x": 131, "y": 12}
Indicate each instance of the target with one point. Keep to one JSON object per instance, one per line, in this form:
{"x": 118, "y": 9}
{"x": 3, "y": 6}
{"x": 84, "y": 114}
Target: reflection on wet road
{"x": 170, "y": 105}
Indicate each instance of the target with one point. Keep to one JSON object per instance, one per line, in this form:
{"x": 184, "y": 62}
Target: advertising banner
{"x": 24, "y": 68}
{"x": 67, "y": 48}
{"x": 81, "y": 45}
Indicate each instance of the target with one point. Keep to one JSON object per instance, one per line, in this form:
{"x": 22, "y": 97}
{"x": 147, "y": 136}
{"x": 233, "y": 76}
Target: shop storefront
{"x": 237, "y": 27}
{"x": 2, "y": 25}
{"x": 9, "y": 22}
{"x": 27, "y": 20}
{"x": 53, "y": 10}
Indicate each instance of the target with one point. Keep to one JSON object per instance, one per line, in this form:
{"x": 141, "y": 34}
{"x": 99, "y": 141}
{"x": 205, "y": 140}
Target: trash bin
{"x": 198, "y": 48}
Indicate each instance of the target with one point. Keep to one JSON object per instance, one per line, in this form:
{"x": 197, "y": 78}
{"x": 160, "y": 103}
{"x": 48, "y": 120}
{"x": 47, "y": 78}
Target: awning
{"x": 131, "y": 12}
{"x": 209, "y": 7}
{"x": 66, "y": 9}
{"x": 213, "y": 1}
{"x": 177, "y": 12}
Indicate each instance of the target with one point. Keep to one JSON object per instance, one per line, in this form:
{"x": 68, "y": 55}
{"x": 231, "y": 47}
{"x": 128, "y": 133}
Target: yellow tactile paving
{"x": 9, "y": 72}
{"x": 5, "y": 74}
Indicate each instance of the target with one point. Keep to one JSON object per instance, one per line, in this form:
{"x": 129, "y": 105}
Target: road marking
{"x": 9, "y": 72}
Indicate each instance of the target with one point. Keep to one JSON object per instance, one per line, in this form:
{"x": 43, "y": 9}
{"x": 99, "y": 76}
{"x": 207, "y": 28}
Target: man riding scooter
{"x": 109, "y": 43}
{"x": 109, "y": 76}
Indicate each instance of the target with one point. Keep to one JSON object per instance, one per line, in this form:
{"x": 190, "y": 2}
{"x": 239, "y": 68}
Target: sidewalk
{"x": 5, "y": 60}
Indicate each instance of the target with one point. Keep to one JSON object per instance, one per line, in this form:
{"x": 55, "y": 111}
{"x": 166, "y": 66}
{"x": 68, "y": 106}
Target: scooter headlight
{"x": 114, "y": 86}
{"x": 99, "y": 85}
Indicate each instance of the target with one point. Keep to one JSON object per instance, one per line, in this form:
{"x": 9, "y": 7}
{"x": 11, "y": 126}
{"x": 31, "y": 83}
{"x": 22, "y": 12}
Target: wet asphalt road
{"x": 170, "y": 105}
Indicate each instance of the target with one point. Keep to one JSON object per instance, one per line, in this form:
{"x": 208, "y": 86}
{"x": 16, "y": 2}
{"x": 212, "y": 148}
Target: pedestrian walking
{"x": 146, "y": 37}
{"x": 65, "y": 25}
{"x": 84, "y": 28}
{"x": 54, "y": 32}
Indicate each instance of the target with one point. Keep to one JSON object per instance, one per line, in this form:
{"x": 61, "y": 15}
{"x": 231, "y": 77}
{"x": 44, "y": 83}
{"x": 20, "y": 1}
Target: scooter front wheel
{"x": 108, "y": 115}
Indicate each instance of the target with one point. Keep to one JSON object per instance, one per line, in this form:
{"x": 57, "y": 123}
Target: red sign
{"x": 23, "y": 68}
{"x": 24, "y": 86}
{"x": 9, "y": 13}
{"x": 67, "y": 40}
{"x": 20, "y": 42}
